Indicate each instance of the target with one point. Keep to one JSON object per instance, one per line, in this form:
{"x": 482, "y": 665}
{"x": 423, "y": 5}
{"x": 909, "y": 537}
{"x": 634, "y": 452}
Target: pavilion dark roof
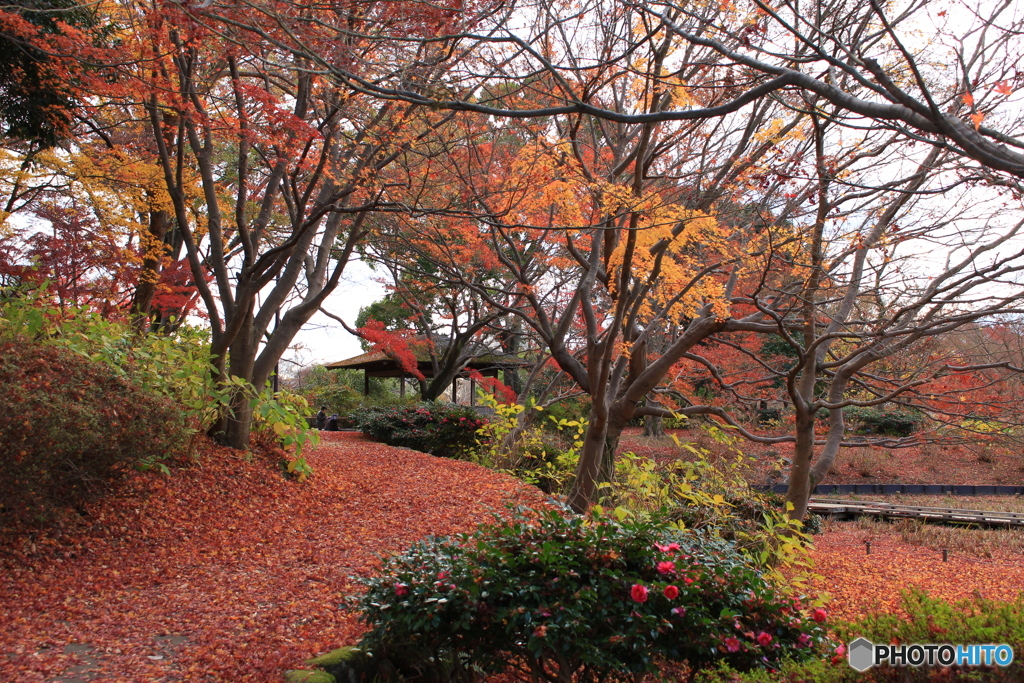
{"x": 380, "y": 360}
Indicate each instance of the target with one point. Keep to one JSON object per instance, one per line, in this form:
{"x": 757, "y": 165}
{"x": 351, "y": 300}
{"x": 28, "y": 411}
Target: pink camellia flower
{"x": 679, "y": 611}
{"x": 443, "y": 575}
{"x": 804, "y": 640}
{"x": 841, "y": 650}
{"x": 764, "y": 639}
{"x": 732, "y": 644}
{"x": 666, "y": 567}
{"x": 667, "y": 548}
{"x": 688, "y": 580}
{"x": 638, "y": 593}
{"x": 401, "y": 589}
{"x": 671, "y": 592}
{"x": 819, "y": 614}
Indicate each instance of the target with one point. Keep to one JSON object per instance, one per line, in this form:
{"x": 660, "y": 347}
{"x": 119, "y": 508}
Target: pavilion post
{"x": 401, "y": 385}
{"x": 366, "y": 382}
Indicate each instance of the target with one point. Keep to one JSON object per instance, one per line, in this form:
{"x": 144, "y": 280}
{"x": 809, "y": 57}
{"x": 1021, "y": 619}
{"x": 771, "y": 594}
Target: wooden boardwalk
{"x": 848, "y": 509}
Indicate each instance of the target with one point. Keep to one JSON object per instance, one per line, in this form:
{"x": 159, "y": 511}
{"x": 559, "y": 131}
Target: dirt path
{"x": 227, "y": 572}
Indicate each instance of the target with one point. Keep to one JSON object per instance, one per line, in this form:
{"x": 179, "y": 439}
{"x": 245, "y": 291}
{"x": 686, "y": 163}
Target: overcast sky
{"x": 322, "y": 340}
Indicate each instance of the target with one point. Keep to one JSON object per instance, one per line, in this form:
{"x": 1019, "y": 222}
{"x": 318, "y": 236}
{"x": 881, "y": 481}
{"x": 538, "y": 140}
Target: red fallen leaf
{"x": 222, "y": 556}
{"x": 861, "y": 584}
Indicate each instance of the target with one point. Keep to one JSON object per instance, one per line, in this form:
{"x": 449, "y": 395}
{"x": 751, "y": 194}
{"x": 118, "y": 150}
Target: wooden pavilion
{"x": 380, "y": 364}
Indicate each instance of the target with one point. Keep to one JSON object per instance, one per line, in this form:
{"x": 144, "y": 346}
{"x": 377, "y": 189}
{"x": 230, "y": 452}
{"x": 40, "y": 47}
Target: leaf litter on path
{"x": 226, "y": 571}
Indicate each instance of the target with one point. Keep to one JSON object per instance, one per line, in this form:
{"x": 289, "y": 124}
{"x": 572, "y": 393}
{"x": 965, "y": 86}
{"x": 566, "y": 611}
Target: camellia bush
{"x": 572, "y": 599}
{"x": 439, "y": 429}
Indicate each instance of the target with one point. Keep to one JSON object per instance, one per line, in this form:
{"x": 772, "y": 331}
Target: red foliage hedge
{"x": 69, "y": 428}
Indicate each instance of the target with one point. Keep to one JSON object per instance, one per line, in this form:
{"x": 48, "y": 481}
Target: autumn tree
{"x": 37, "y": 95}
{"x": 93, "y": 222}
{"x": 605, "y": 235}
{"x": 270, "y": 170}
{"x": 581, "y": 70}
{"x": 857, "y": 301}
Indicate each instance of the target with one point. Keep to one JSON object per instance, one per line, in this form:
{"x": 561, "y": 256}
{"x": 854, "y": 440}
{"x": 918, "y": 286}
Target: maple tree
{"x": 865, "y": 320}
{"x": 705, "y": 261}
{"x": 92, "y": 223}
{"x": 703, "y": 65}
{"x": 267, "y": 171}
{"x": 651, "y": 190}
{"x": 38, "y": 101}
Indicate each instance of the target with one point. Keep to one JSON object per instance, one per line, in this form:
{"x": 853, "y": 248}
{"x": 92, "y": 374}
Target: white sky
{"x": 323, "y": 340}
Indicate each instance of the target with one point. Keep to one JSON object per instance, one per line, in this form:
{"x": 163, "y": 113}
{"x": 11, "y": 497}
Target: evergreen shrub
{"x": 576, "y": 599}
{"x": 448, "y": 431}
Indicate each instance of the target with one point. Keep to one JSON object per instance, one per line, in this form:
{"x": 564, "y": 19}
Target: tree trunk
{"x": 588, "y": 470}
{"x": 799, "y": 491}
{"x": 597, "y": 460}
{"x": 241, "y": 361}
{"x": 142, "y": 301}
{"x": 654, "y": 425}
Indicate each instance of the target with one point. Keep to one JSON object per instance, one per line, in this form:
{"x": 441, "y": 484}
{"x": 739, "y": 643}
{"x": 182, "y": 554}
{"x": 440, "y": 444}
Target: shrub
{"x": 931, "y": 620}
{"x": 70, "y": 427}
{"x": 439, "y": 429}
{"x": 176, "y": 366}
{"x": 577, "y": 599}
{"x": 711, "y": 493}
{"x": 279, "y": 419}
{"x": 867, "y": 420}
{"x": 511, "y": 442}
{"x": 340, "y": 390}
{"x": 574, "y": 409}
{"x": 928, "y": 620}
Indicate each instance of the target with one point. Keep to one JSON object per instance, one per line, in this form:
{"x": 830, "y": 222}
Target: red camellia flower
{"x": 667, "y": 548}
{"x": 401, "y": 589}
{"x": 638, "y": 593}
{"x": 819, "y": 614}
{"x": 732, "y": 644}
{"x": 764, "y": 639}
{"x": 666, "y": 567}
{"x": 671, "y": 592}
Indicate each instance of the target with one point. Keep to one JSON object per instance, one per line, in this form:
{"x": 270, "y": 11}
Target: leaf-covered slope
{"x": 226, "y": 571}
